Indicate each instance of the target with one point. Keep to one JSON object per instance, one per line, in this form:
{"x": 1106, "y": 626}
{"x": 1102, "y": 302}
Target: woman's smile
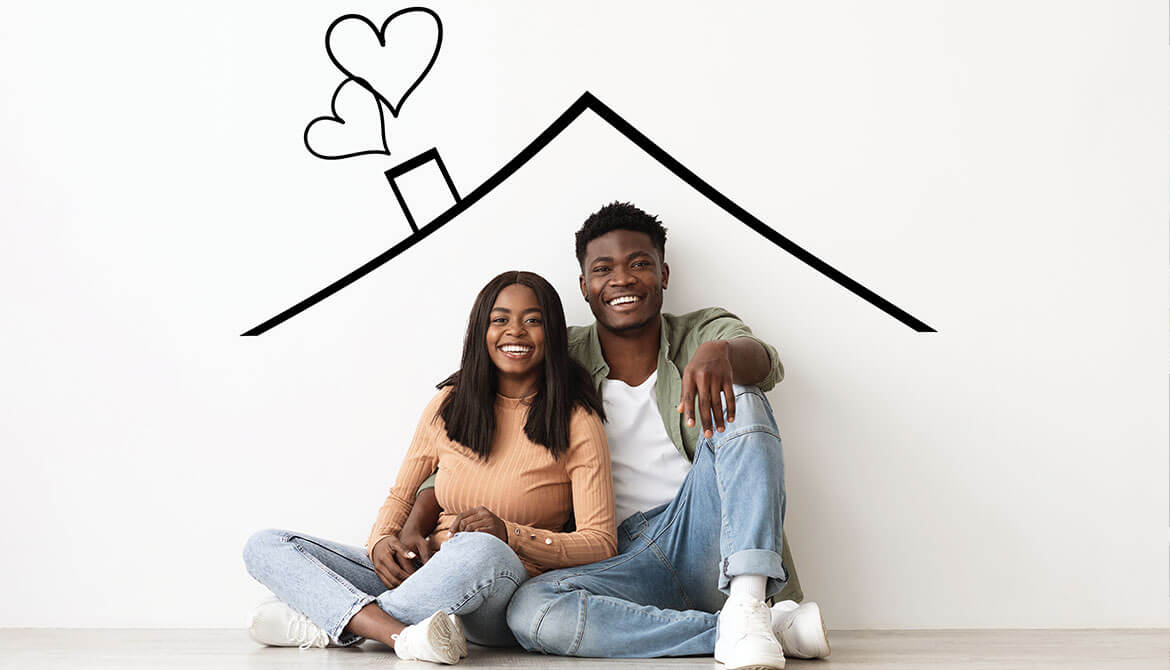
{"x": 517, "y": 351}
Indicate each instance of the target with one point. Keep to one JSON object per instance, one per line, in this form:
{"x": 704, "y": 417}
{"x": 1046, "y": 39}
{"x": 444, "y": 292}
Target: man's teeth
{"x": 624, "y": 300}
{"x": 515, "y": 349}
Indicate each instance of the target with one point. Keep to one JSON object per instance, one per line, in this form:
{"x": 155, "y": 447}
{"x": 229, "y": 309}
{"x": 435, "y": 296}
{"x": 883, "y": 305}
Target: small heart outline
{"x": 334, "y": 117}
{"x": 380, "y": 33}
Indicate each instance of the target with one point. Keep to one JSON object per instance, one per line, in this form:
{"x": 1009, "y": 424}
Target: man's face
{"x": 623, "y": 278}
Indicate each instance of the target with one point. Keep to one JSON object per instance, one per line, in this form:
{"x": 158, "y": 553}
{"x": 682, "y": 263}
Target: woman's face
{"x": 515, "y": 337}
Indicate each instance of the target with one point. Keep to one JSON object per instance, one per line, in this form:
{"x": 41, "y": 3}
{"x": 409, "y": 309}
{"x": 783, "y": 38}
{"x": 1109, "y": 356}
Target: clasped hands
{"x": 396, "y": 557}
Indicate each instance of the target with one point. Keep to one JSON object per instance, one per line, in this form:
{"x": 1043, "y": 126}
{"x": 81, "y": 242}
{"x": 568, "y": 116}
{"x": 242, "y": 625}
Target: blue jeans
{"x": 659, "y": 595}
{"x": 472, "y": 575}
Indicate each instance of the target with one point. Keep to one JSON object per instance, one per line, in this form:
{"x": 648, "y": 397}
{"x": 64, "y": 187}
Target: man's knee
{"x": 752, "y": 440}
{"x": 752, "y": 409}
{"x": 543, "y": 618}
{"x": 754, "y": 424}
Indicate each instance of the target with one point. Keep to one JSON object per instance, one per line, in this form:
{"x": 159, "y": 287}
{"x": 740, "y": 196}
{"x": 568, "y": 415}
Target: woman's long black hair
{"x": 469, "y": 410}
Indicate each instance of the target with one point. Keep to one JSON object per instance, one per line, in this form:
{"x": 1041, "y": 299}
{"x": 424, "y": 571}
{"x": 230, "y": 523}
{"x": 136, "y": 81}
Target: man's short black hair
{"x": 620, "y": 216}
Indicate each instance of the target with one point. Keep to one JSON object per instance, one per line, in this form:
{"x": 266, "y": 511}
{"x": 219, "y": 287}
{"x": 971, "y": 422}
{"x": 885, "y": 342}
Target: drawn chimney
{"x": 424, "y": 183}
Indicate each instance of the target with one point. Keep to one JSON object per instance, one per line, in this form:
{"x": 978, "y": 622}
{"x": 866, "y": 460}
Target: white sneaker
{"x": 458, "y": 640}
{"x": 745, "y": 636}
{"x": 277, "y": 625}
{"x": 432, "y": 639}
{"x": 800, "y": 629}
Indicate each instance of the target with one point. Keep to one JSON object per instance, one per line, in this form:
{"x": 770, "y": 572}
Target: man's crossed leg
{"x": 660, "y": 594}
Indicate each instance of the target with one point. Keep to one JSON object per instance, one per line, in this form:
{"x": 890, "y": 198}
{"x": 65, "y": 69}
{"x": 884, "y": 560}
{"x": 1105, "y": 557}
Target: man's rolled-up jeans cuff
{"x": 754, "y": 562}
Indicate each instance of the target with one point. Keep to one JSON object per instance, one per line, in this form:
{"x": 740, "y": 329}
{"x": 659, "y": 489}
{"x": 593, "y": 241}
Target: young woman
{"x": 518, "y": 439}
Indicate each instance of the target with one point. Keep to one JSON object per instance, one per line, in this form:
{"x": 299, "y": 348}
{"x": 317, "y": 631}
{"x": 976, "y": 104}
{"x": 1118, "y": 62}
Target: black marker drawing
{"x": 356, "y": 118}
{"x": 395, "y": 67}
{"x": 383, "y": 66}
{"x": 586, "y": 102}
{"x": 430, "y": 155}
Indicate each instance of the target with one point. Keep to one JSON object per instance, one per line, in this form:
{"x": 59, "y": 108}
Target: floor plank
{"x": 48, "y": 649}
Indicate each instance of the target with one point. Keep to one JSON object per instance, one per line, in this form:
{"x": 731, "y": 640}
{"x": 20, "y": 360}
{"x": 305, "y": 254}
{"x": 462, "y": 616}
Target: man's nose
{"x": 621, "y": 277}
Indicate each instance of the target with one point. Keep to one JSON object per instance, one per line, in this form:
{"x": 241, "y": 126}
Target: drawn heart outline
{"x": 380, "y": 33}
{"x": 336, "y": 117}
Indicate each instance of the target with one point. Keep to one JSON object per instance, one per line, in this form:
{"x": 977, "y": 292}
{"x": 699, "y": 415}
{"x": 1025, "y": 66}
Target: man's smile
{"x": 624, "y": 303}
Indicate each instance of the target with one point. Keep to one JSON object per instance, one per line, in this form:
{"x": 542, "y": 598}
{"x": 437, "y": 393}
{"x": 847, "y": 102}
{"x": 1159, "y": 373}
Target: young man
{"x": 701, "y": 492}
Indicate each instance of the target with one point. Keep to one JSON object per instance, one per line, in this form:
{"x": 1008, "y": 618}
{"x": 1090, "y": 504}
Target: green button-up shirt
{"x": 681, "y": 335}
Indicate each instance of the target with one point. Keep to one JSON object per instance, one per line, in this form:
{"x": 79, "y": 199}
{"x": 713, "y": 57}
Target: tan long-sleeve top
{"x": 520, "y": 482}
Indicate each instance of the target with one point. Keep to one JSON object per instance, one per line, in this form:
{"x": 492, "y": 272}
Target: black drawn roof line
{"x": 590, "y": 102}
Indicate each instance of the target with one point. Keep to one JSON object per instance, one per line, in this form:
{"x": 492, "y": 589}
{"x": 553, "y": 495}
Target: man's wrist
{"x": 716, "y": 348}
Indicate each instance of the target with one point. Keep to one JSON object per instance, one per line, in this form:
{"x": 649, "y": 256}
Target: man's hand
{"x": 417, "y": 543}
{"x": 420, "y": 524}
{"x": 393, "y": 561}
{"x": 480, "y": 520}
{"x": 708, "y": 374}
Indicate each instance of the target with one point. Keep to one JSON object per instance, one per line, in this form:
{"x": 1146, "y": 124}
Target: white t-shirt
{"x": 647, "y": 468}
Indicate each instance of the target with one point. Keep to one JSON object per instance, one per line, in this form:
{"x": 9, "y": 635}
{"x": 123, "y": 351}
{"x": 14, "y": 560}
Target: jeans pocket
{"x": 634, "y": 526}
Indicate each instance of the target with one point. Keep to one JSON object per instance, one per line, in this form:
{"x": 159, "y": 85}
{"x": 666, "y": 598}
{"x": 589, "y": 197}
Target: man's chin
{"x": 623, "y": 327}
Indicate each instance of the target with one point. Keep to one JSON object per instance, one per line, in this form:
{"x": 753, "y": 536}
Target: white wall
{"x": 997, "y": 169}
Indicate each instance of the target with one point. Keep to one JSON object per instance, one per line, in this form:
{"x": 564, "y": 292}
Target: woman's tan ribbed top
{"x": 520, "y": 482}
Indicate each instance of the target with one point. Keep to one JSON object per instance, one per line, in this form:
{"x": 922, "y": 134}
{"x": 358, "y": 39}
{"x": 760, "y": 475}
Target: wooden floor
{"x": 36, "y": 648}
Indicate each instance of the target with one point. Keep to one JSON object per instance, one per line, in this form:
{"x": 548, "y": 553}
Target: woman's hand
{"x": 393, "y": 561}
{"x": 480, "y": 520}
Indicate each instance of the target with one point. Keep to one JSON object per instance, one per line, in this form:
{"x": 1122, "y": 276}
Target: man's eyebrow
{"x": 609, "y": 259}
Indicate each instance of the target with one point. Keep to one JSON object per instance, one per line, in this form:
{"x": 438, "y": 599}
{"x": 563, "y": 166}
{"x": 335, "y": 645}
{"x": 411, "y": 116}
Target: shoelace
{"x": 758, "y": 617}
{"x": 306, "y": 633}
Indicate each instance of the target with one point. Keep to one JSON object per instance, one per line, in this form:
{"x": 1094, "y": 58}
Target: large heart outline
{"x": 380, "y": 34}
{"x": 338, "y": 118}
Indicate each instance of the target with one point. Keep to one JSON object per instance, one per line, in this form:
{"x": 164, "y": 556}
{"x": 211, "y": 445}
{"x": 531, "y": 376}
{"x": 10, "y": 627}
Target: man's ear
{"x": 584, "y": 290}
{"x": 665, "y": 275}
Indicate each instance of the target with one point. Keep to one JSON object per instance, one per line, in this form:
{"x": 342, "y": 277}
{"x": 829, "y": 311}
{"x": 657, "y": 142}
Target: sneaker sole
{"x": 776, "y": 663}
{"x": 458, "y": 637}
{"x": 756, "y": 666}
{"x": 806, "y": 630}
{"x": 440, "y": 634}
